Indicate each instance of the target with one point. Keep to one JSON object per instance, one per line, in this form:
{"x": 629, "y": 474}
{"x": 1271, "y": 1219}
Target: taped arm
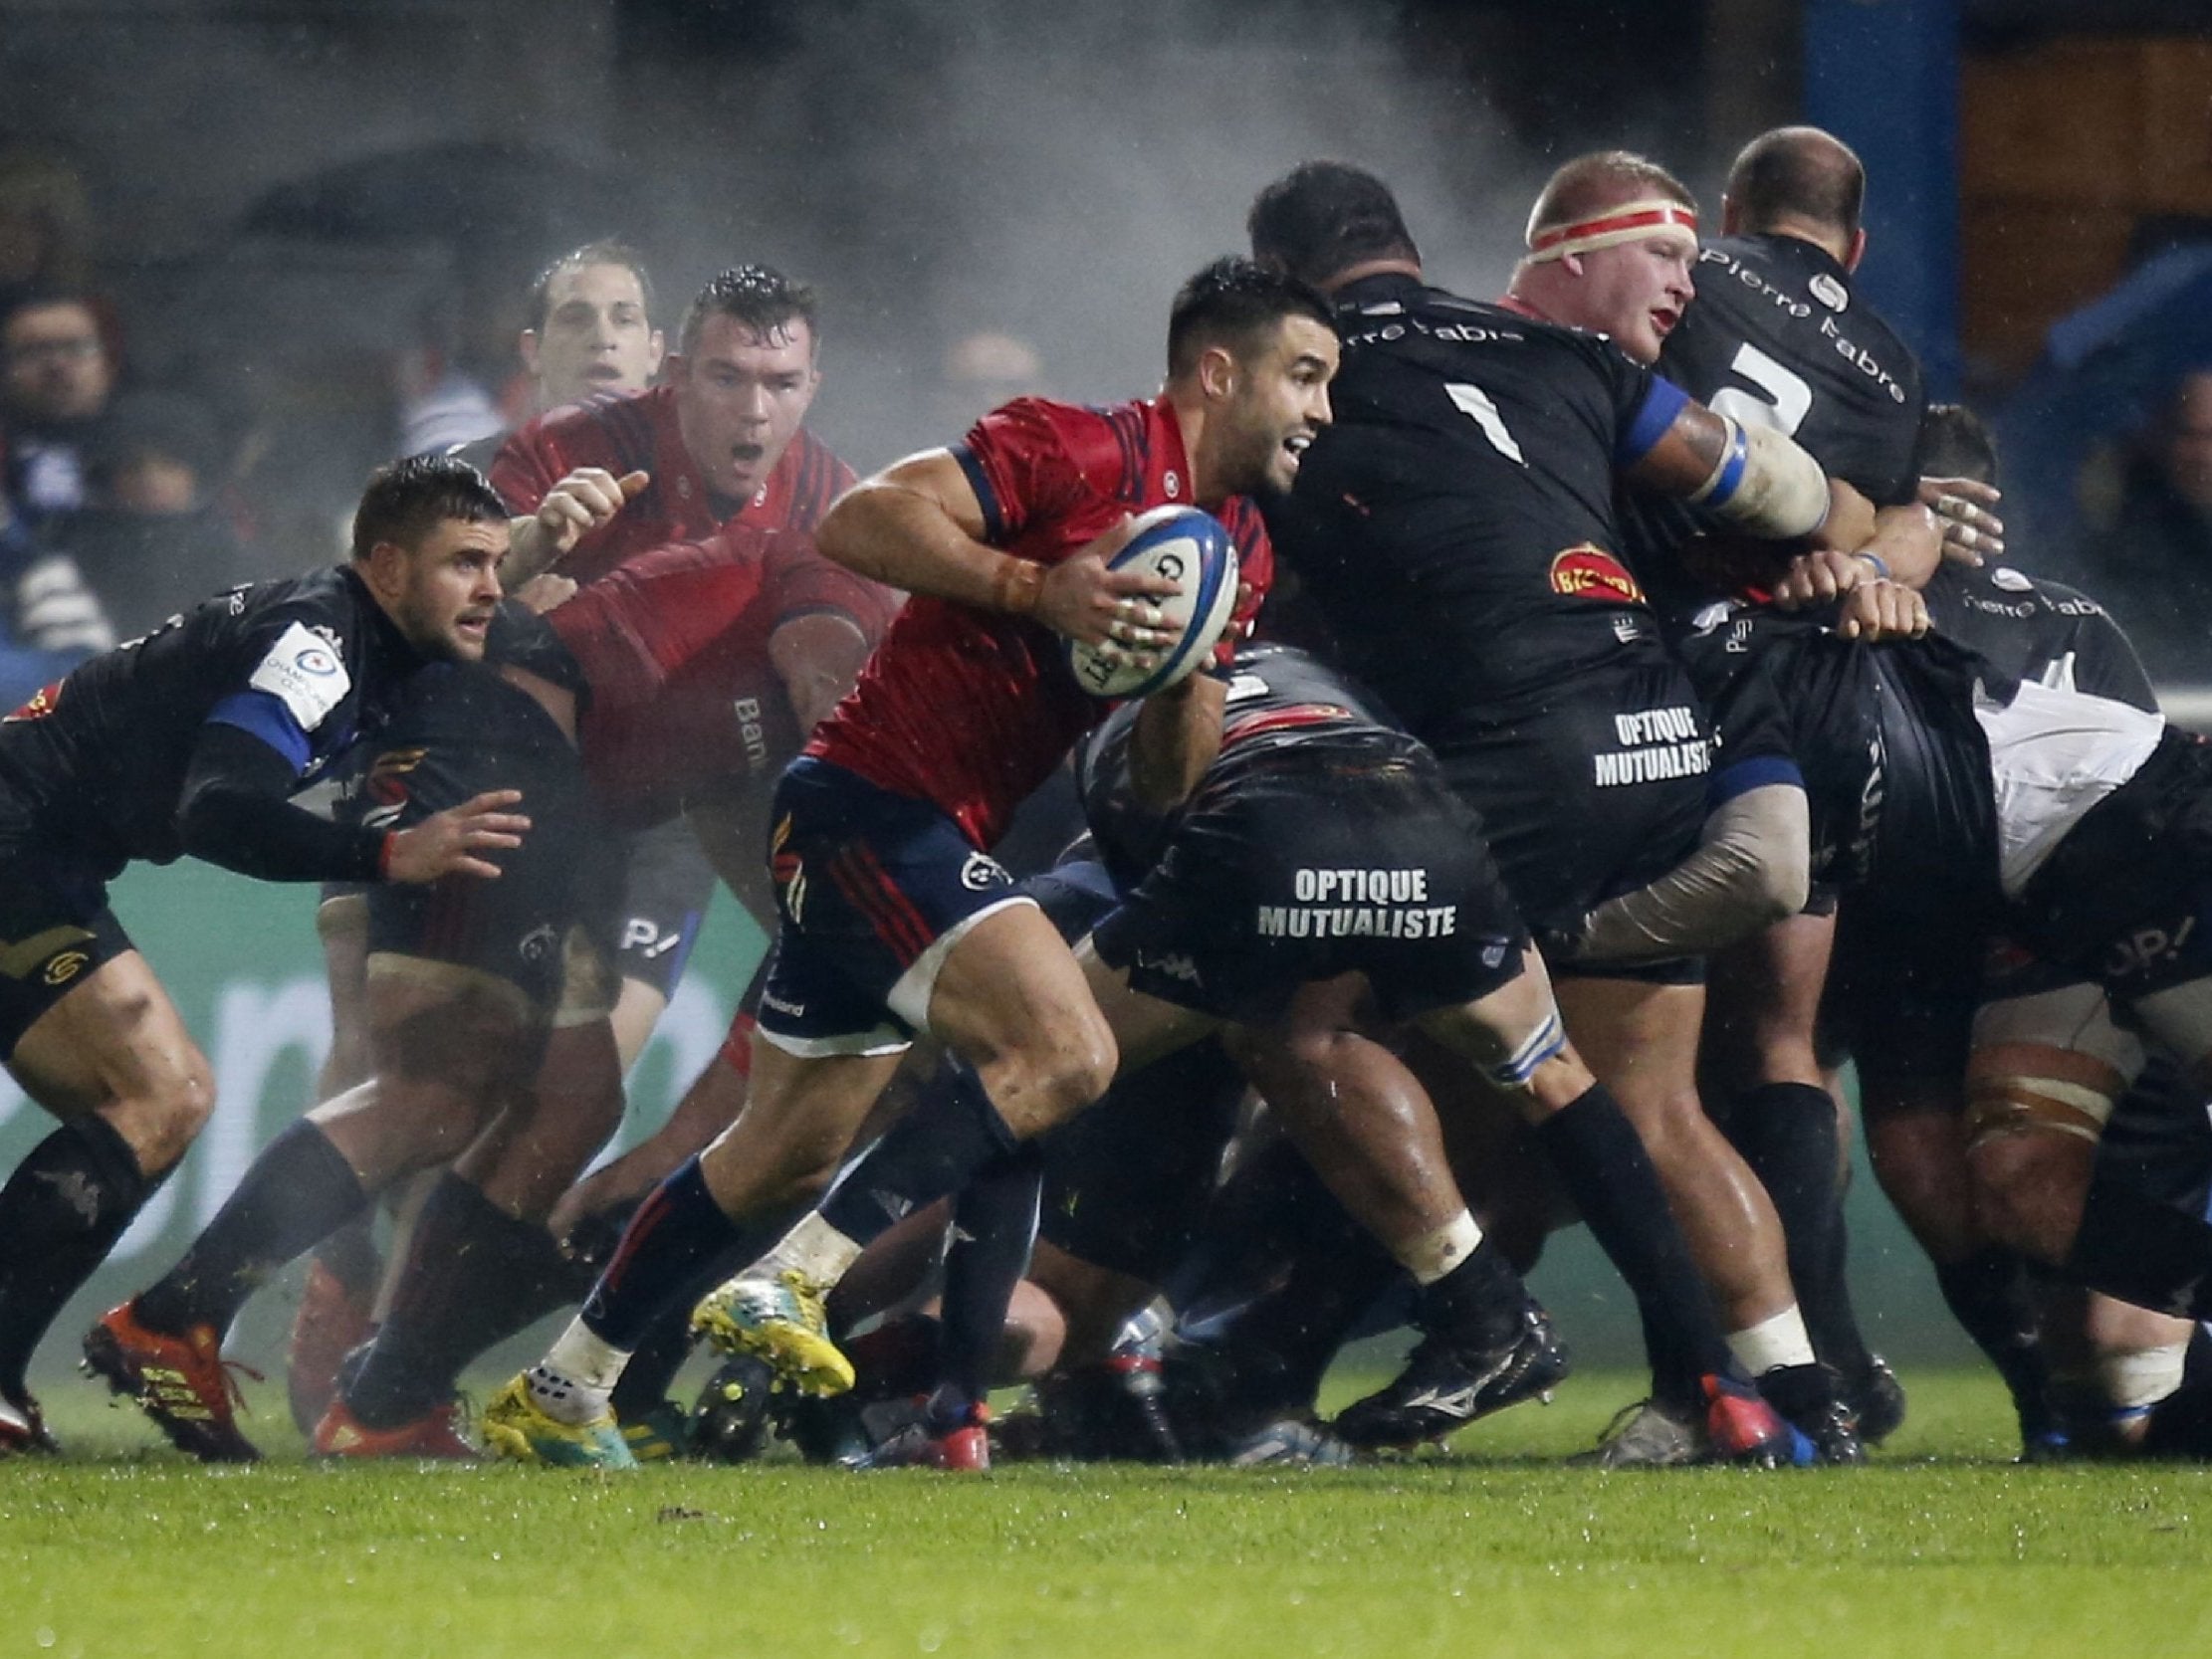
{"x": 1750, "y": 477}
{"x": 1751, "y": 869}
{"x": 235, "y": 809}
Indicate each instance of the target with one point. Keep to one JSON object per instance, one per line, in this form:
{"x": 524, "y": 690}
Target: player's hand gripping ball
{"x": 1191, "y": 549}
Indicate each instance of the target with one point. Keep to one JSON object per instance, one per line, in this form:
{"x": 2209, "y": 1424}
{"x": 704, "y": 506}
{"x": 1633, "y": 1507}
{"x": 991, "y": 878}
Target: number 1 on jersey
{"x": 1476, "y": 404}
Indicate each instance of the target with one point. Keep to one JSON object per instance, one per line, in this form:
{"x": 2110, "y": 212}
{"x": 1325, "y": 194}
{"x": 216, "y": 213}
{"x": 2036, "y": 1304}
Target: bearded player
{"x": 892, "y": 918}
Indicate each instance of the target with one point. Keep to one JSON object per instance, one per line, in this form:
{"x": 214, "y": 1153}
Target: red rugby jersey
{"x": 626, "y": 431}
{"x": 971, "y": 710}
{"x": 674, "y": 645}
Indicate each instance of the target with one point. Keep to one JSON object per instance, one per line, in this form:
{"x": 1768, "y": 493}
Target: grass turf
{"x": 1938, "y": 1547}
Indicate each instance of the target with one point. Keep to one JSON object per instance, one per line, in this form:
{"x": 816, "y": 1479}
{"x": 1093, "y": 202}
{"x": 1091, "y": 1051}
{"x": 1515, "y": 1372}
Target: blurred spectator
{"x": 49, "y": 620}
{"x": 2152, "y": 566}
{"x": 56, "y": 374}
{"x": 45, "y": 221}
{"x": 442, "y": 406}
{"x": 981, "y": 371}
{"x": 150, "y": 538}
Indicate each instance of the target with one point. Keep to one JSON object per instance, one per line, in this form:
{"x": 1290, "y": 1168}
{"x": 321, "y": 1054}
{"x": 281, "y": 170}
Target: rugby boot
{"x": 1651, "y": 1434}
{"x": 1111, "y": 1412}
{"x": 1877, "y": 1399}
{"x": 435, "y": 1435}
{"x": 729, "y": 1420}
{"x": 23, "y": 1429}
{"x": 924, "y": 1440}
{"x": 661, "y": 1435}
{"x": 330, "y": 1322}
{"x": 780, "y": 1319}
{"x": 1807, "y": 1396}
{"x": 1444, "y": 1386}
{"x": 1287, "y": 1442}
{"x": 182, "y": 1382}
{"x": 516, "y": 1426}
{"x": 1740, "y": 1427}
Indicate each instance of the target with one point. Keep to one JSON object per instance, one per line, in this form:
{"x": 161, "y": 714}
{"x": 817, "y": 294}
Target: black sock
{"x": 1601, "y": 1162}
{"x": 474, "y": 1275}
{"x": 1478, "y": 1304}
{"x": 61, "y": 1212}
{"x": 2142, "y": 1251}
{"x": 298, "y": 1190}
{"x": 931, "y": 1152}
{"x": 994, "y": 1225}
{"x": 651, "y": 1373}
{"x": 676, "y": 1247}
{"x": 1990, "y": 1296}
{"x": 1281, "y": 1345}
{"x": 1787, "y": 1134}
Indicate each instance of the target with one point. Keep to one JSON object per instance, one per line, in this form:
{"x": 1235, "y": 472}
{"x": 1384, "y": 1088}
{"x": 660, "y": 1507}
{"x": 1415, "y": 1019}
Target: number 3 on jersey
{"x": 1476, "y": 404}
{"x": 1788, "y": 398}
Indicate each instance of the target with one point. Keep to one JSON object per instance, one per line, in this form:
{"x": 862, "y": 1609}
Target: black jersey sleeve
{"x": 234, "y": 813}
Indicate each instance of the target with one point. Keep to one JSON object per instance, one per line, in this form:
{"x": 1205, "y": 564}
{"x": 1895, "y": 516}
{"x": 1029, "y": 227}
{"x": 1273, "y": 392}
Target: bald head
{"x": 1797, "y": 181}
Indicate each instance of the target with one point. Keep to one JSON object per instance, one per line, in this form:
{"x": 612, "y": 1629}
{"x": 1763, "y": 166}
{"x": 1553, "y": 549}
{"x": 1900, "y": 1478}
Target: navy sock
{"x": 298, "y": 1192}
{"x": 1787, "y": 1134}
{"x": 475, "y": 1275}
{"x": 1601, "y": 1163}
{"x": 1478, "y": 1304}
{"x": 952, "y": 1133}
{"x": 1990, "y": 1296}
{"x": 646, "y": 1381}
{"x": 61, "y": 1212}
{"x": 676, "y": 1247}
{"x": 995, "y": 1226}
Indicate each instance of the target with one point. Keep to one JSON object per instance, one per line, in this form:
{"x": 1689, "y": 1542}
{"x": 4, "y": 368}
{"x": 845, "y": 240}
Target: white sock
{"x": 573, "y": 1382}
{"x": 2135, "y": 1379}
{"x": 1435, "y": 1254}
{"x": 814, "y": 1249}
{"x": 1773, "y": 1342}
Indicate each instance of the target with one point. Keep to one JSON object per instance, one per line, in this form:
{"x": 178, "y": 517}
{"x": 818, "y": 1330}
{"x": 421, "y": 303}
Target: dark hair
{"x": 1954, "y": 443}
{"x": 407, "y": 499}
{"x": 1798, "y": 172}
{"x": 763, "y": 299}
{"x": 1324, "y": 217}
{"x": 1229, "y": 303}
{"x": 606, "y": 252}
{"x": 1587, "y": 186}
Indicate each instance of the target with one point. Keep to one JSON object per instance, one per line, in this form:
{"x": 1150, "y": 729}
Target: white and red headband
{"x": 1630, "y": 222}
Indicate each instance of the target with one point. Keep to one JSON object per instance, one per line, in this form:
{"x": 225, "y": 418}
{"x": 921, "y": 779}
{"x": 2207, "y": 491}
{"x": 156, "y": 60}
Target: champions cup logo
{"x": 1588, "y": 572}
{"x": 40, "y": 705}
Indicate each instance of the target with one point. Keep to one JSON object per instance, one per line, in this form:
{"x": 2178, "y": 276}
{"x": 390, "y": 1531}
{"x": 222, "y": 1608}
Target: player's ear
{"x": 1218, "y": 368}
{"x": 527, "y": 346}
{"x": 386, "y": 569}
{"x": 1857, "y": 250}
{"x": 656, "y": 348}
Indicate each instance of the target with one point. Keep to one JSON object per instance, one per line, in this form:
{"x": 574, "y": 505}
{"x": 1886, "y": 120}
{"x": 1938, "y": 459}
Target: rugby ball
{"x": 1191, "y": 549}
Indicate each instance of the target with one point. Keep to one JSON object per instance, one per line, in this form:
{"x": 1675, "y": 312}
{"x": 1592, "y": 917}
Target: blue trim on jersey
{"x": 995, "y": 522}
{"x": 1660, "y": 405}
{"x": 1732, "y": 469}
{"x": 1754, "y": 774}
{"x": 264, "y": 714}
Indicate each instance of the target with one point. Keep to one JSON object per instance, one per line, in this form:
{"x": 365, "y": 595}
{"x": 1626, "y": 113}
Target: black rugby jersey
{"x": 1454, "y": 524}
{"x": 1777, "y": 337}
{"x": 95, "y": 766}
{"x": 2026, "y": 628}
{"x": 1283, "y": 709}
